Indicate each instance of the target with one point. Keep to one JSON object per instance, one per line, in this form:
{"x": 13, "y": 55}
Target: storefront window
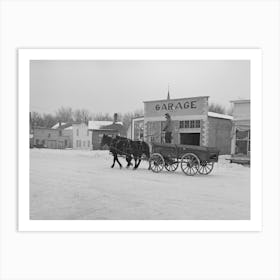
{"x": 243, "y": 145}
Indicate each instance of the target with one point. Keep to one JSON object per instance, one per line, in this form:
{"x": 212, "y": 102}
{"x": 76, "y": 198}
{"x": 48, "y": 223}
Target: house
{"x": 82, "y": 136}
{"x": 60, "y": 137}
{"x": 98, "y": 128}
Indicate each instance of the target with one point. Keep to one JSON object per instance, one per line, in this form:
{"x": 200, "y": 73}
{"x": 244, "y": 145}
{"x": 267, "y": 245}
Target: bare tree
{"x": 37, "y": 119}
{"x": 81, "y": 115}
{"x": 217, "y": 108}
{"x": 64, "y": 114}
{"x": 102, "y": 117}
{"x": 49, "y": 120}
{"x": 127, "y": 117}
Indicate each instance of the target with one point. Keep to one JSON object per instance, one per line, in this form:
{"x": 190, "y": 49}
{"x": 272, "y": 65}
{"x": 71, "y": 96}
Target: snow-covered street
{"x": 72, "y": 184}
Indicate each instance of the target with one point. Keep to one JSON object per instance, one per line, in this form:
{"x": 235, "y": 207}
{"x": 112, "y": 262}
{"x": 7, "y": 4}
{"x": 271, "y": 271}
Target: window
{"x": 181, "y": 124}
{"x": 187, "y": 124}
{"x": 77, "y": 132}
{"x": 192, "y": 124}
{"x": 49, "y": 135}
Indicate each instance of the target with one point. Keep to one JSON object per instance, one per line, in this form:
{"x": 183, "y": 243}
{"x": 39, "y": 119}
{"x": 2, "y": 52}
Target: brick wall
{"x": 219, "y": 134}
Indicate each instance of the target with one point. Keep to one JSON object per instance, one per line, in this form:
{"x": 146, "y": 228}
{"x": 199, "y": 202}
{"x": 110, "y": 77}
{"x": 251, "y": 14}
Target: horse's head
{"x": 106, "y": 140}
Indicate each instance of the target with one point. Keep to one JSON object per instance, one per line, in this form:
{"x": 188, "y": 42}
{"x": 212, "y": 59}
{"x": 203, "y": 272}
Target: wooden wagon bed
{"x": 193, "y": 159}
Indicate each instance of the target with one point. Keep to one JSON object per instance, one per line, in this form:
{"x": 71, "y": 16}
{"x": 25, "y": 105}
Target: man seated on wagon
{"x": 168, "y": 128}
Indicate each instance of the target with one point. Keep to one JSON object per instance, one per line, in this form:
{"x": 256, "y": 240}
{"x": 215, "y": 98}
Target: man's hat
{"x": 167, "y": 115}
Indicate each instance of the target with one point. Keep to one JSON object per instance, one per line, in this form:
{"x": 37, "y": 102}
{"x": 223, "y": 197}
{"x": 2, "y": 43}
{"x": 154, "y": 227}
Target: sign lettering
{"x": 176, "y": 106}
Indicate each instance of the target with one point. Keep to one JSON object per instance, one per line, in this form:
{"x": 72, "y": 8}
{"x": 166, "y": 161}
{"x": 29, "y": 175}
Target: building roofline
{"x": 41, "y": 127}
{"x": 103, "y": 129}
{"x": 135, "y": 118}
{"x": 220, "y": 116}
{"x": 175, "y": 99}
{"x": 241, "y": 101}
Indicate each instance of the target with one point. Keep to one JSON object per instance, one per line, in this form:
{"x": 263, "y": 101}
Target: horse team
{"x": 127, "y": 148}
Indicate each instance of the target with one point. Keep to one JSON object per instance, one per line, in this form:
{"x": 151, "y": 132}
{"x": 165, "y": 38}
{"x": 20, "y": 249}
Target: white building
{"x": 136, "y": 129}
{"x": 82, "y": 137}
{"x": 241, "y": 140}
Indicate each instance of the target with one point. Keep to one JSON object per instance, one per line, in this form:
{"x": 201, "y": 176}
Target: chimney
{"x": 115, "y": 117}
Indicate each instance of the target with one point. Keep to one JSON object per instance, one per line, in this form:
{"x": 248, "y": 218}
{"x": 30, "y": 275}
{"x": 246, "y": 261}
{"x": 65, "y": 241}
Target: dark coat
{"x": 168, "y": 125}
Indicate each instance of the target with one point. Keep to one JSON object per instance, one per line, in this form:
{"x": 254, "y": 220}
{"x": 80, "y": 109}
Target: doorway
{"x": 190, "y": 139}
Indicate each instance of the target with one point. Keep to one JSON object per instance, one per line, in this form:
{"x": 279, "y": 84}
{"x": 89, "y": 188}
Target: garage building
{"x": 192, "y": 123}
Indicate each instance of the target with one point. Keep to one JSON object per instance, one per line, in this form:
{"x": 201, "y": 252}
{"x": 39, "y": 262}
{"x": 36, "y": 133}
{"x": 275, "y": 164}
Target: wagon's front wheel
{"x": 205, "y": 167}
{"x": 190, "y": 164}
{"x": 156, "y": 162}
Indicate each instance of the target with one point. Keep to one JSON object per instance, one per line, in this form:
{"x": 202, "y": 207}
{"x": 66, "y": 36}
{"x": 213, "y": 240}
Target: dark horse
{"x": 126, "y": 147}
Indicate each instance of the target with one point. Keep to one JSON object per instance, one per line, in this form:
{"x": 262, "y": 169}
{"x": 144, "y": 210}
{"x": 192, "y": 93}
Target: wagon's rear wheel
{"x": 205, "y": 167}
{"x": 171, "y": 166}
{"x": 190, "y": 164}
{"x": 156, "y": 162}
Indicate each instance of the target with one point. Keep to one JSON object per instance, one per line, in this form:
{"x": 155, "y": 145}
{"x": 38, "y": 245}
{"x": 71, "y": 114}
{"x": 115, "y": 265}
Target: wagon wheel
{"x": 205, "y": 167}
{"x": 172, "y": 165}
{"x": 156, "y": 162}
{"x": 190, "y": 164}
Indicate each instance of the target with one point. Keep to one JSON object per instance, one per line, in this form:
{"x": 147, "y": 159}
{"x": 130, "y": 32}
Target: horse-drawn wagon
{"x": 193, "y": 159}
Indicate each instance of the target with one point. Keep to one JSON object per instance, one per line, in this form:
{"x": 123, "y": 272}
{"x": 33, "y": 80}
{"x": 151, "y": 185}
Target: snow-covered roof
{"x": 220, "y": 116}
{"x": 65, "y": 126}
{"x": 57, "y": 125}
{"x": 100, "y": 124}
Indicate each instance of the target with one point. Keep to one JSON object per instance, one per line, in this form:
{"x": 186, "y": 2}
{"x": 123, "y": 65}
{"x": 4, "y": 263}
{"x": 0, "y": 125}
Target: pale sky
{"x": 122, "y": 86}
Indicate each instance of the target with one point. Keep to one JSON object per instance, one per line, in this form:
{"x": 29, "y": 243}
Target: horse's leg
{"x": 114, "y": 160}
{"x": 138, "y": 163}
{"x": 128, "y": 159}
{"x": 118, "y": 161}
{"x": 135, "y": 159}
{"x": 130, "y": 163}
